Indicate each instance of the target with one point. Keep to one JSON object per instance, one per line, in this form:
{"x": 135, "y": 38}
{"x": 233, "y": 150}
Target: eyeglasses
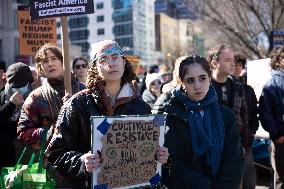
{"x": 81, "y": 66}
{"x": 105, "y": 60}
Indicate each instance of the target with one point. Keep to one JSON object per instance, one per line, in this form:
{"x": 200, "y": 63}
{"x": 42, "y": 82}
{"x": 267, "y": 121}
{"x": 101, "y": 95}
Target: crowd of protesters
{"x": 212, "y": 114}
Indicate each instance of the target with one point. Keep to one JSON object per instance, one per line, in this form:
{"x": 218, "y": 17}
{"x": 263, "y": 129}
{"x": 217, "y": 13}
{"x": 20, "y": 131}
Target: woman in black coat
{"x": 110, "y": 92}
{"x": 203, "y": 140}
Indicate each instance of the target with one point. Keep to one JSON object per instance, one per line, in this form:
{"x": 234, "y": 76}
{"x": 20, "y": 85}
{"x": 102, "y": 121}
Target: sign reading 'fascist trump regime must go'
{"x": 52, "y": 8}
{"x": 34, "y": 34}
{"x": 128, "y": 146}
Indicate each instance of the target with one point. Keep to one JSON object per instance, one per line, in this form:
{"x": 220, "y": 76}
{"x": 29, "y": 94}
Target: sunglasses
{"x": 81, "y": 66}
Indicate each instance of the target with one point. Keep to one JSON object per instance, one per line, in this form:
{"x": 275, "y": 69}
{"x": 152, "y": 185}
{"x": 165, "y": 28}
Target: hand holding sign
{"x": 92, "y": 161}
{"x": 162, "y": 155}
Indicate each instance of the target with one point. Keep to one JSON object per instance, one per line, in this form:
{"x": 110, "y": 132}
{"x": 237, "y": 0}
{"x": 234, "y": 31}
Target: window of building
{"x": 100, "y": 18}
{"x": 125, "y": 29}
{"x": 117, "y": 4}
{"x": 126, "y": 42}
{"x": 120, "y": 4}
{"x": 78, "y": 22}
{"x": 78, "y": 35}
{"x": 100, "y": 5}
{"x": 122, "y": 16}
{"x": 101, "y": 31}
{"x": 85, "y": 46}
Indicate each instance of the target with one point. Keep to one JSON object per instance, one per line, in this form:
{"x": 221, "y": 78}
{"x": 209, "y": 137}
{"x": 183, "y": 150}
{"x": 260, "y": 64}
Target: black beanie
{"x": 18, "y": 75}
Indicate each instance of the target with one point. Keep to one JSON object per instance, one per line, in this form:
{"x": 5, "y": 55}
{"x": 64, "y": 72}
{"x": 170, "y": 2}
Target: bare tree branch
{"x": 245, "y": 24}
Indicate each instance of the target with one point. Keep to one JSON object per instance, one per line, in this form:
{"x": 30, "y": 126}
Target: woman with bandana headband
{"x": 110, "y": 91}
{"x": 17, "y": 88}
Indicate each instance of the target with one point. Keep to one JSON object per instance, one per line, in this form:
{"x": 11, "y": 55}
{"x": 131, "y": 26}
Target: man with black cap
{"x": 17, "y": 88}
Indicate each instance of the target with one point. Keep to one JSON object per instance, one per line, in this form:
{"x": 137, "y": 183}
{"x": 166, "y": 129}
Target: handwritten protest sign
{"x": 128, "y": 146}
{"x": 34, "y": 34}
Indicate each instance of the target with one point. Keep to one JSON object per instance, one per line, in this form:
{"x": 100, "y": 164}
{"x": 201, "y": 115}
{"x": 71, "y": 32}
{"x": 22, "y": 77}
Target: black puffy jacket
{"x": 185, "y": 171}
{"x": 271, "y": 105}
{"x": 72, "y": 137}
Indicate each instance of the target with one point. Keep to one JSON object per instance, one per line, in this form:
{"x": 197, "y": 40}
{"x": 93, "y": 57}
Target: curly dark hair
{"x": 276, "y": 54}
{"x": 93, "y": 78}
{"x": 41, "y": 54}
{"x": 194, "y": 59}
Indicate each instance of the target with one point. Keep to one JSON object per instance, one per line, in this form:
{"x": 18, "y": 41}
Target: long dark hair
{"x": 93, "y": 77}
{"x": 194, "y": 59}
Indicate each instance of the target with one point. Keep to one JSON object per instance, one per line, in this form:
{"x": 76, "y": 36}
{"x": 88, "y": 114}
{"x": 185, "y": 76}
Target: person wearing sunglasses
{"x": 203, "y": 140}
{"x": 111, "y": 91}
{"x": 80, "y": 69}
{"x": 152, "y": 92}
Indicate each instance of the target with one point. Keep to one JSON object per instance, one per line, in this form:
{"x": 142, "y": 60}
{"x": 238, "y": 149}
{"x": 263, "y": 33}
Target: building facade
{"x": 177, "y": 37}
{"x": 9, "y": 47}
{"x": 134, "y": 28}
{"x": 130, "y": 22}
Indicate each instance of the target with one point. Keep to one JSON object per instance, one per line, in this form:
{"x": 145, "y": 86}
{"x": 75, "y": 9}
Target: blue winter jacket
{"x": 271, "y": 105}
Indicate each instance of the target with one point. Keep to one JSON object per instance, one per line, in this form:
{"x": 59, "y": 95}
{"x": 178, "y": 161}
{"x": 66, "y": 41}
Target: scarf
{"x": 53, "y": 92}
{"x": 207, "y": 133}
{"x": 8, "y": 93}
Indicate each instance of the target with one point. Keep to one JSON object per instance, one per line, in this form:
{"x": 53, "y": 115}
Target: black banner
{"x": 52, "y": 8}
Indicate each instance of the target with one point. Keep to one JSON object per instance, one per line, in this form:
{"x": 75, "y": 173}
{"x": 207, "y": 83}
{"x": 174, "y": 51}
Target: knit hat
{"x": 103, "y": 48}
{"x": 18, "y": 75}
{"x": 152, "y": 77}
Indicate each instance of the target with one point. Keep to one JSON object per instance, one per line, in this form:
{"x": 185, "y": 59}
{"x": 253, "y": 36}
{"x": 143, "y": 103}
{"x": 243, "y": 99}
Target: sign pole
{"x": 66, "y": 57}
{"x": 45, "y": 8}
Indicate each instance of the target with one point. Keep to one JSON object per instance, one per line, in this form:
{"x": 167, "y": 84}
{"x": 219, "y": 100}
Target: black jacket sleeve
{"x": 267, "y": 114}
{"x": 160, "y": 103}
{"x": 182, "y": 175}
{"x": 69, "y": 142}
{"x": 6, "y": 108}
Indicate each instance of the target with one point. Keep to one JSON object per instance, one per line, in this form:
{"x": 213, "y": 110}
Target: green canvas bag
{"x": 31, "y": 176}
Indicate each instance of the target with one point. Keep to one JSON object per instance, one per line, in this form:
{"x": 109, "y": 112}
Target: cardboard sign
{"x": 128, "y": 146}
{"x": 51, "y": 8}
{"x": 34, "y": 34}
